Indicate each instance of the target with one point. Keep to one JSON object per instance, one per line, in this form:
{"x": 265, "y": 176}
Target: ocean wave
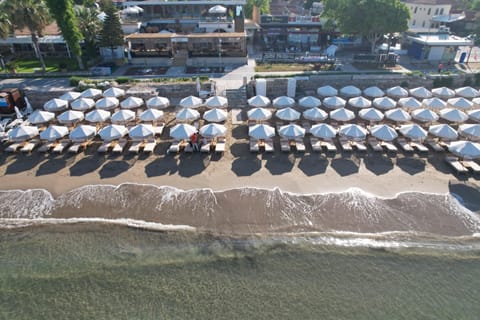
{"x": 244, "y": 210}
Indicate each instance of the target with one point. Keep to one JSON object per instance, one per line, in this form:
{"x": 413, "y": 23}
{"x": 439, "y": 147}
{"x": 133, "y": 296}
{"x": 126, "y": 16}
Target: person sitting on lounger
{"x": 193, "y": 142}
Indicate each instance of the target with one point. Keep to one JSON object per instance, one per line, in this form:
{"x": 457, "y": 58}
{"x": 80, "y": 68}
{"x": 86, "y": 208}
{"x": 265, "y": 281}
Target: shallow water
{"x": 92, "y": 271}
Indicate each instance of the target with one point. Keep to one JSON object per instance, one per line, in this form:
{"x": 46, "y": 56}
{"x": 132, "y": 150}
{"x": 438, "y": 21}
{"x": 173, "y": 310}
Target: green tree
{"x": 371, "y": 19}
{"x": 111, "y": 34}
{"x": 90, "y": 26}
{"x": 32, "y": 15}
{"x": 5, "y": 24}
{"x": 62, "y": 11}
{"x": 262, "y": 5}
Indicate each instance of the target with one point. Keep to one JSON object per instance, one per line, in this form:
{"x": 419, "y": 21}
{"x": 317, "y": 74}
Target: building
{"x": 436, "y": 47}
{"x": 423, "y": 14}
{"x": 192, "y": 32}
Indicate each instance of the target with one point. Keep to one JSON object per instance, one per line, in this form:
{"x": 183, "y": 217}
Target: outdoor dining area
{"x": 418, "y": 120}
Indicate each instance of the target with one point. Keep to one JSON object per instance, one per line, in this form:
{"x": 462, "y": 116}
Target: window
{"x": 415, "y": 11}
{"x": 429, "y": 11}
{"x": 423, "y": 24}
{"x": 441, "y": 11}
{"x": 436, "y": 11}
{"x": 413, "y": 23}
{"x": 432, "y": 25}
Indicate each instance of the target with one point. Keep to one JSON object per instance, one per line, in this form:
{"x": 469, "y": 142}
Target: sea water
{"x": 56, "y": 266}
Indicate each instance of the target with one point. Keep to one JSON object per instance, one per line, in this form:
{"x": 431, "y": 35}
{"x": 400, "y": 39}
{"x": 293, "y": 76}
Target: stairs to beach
{"x": 237, "y": 98}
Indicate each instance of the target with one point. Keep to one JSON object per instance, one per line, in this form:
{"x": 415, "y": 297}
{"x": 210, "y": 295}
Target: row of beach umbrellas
{"x": 359, "y": 102}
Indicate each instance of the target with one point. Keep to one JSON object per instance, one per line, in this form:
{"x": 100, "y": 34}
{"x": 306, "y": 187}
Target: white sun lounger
{"x": 119, "y": 146}
{"x": 254, "y": 147}
{"x": 471, "y": 165}
{"x": 390, "y": 147}
{"x": 316, "y": 144}
{"x": 174, "y": 147}
{"x": 104, "y": 147}
{"x": 149, "y": 146}
{"x": 61, "y": 146}
{"x": 285, "y": 145}
{"x": 268, "y": 145}
{"x": 435, "y": 145}
{"x": 419, "y": 146}
{"x": 456, "y": 165}
{"x": 14, "y": 147}
{"x": 360, "y": 146}
{"x": 404, "y": 145}
{"x": 300, "y": 145}
{"x": 328, "y": 145}
{"x": 346, "y": 145}
{"x": 135, "y": 147}
{"x": 374, "y": 144}
{"x": 76, "y": 147}
{"x": 30, "y": 145}
{"x": 47, "y": 147}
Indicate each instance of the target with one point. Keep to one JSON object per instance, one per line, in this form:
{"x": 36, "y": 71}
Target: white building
{"x": 422, "y": 13}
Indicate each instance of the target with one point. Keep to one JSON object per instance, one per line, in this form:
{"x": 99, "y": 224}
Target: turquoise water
{"x": 88, "y": 271}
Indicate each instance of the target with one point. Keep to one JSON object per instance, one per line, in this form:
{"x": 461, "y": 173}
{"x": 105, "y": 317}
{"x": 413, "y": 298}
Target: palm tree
{"x": 32, "y": 15}
{"x": 91, "y": 26}
{"x": 5, "y": 24}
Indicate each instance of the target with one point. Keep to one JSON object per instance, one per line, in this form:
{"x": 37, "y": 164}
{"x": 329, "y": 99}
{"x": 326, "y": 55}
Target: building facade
{"x": 424, "y": 12}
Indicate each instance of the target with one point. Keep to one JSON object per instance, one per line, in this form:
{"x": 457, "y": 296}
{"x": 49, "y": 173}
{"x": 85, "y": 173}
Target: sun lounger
{"x": 206, "y": 147}
{"x": 328, "y": 145}
{"x": 105, "y": 147}
{"x": 471, "y": 165}
{"x": 119, "y": 146}
{"x": 220, "y": 146}
{"x": 456, "y": 165}
{"x": 61, "y": 145}
{"x": 434, "y": 145}
{"x": 345, "y": 144}
{"x": 268, "y": 145}
{"x": 47, "y": 147}
{"x": 136, "y": 146}
{"x": 149, "y": 146}
{"x": 374, "y": 144}
{"x": 254, "y": 147}
{"x": 300, "y": 145}
{"x": 390, "y": 147}
{"x": 76, "y": 147}
{"x": 30, "y": 145}
{"x": 174, "y": 147}
{"x": 404, "y": 145}
{"x": 316, "y": 144}
{"x": 419, "y": 147}
{"x": 359, "y": 145}
{"x": 14, "y": 147}
{"x": 285, "y": 145}
{"x": 158, "y": 129}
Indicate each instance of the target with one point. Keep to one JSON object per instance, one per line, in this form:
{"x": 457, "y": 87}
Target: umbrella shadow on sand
{"x": 240, "y": 132}
{"x": 313, "y": 164}
{"x": 162, "y": 166}
{"x": 51, "y": 166}
{"x": 378, "y": 164}
{"x": 246, "y": 166}
{"x": 411, "y": 165}
{"x": 24, "y": 163}
{"x": 192, "y": 164}
{"x": 279, "y": 163}
{"x": 346, "y": 166}
{"x": 113, "y": 168}
{"x": 239, "y": 149}
{"x": 86, "y": 165}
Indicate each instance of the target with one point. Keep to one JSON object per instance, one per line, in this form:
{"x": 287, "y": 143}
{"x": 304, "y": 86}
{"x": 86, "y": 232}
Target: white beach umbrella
{"x": 39, "y": 116}
{"x": 112, "y": 132}
{"x": 216, "y": 102}
{"x": 182, "y": 131}
{"x": 283, "y": 102}
{"x": 474, "y": 115}
{"x": 334, "y": 102}
{"x": 424, "y": 115}
{"x": 158, "y": 102}
{"x": 291, "y": 131}
{"x": 70, "y": 117}
{"x": 397, "y": 92}
{"x": 315, "y": 114}
{"x": 259, "y": 114}
{"x": 350, "y": 91}
{"x": 82, "y": 104}
{"x": 151, "y": 115}
{"x": 215, "y": 115}
{"x": 327, "y": 91}
{"x": 55, "y": 105}
{"x": 82, "y": 133}
{"x": 342, "y": 114}
{"x": 471, "y": 131}
{"x": 353, "y": 131}
{"x": 383, "y": 132}
{"x": 443, "y": 93}
{"x": 91, "y": 93}
{"x": 97, "y": 115}
{"x": 323, "y": 131}
{"x": 359, "y": 102}
{"x": 384, "y": 103}
{"x": 190, "y": 102}
{"x": 434, "y": 103}
{"x": 107, "y": 103}
{"x": 460, "y": 103}
{"x": 217, "y": 9}
{"x": 465, "y": 149}
{"x": 409, "y": 103}
{"x": 467, "y": 92}
{"x": 114, "y": 92}
{"x": 53, "y": 133}
{"x": 131, "y": 103}
{"x": 212, "y": 130}
{"x": 398, "y": 115}
{"x": 373, "y": 92}
{"x": 130, "y": 10}
{"x": 261, "y": 131}
{"x": 453, "y": 115}
{"x": 371, "y": 114}
{"x": 22, "y": 133}
{"x": 309, "y": 102}
{"x": 70, "y": 96}
{"x": 420, "y": 93}
{"x": 187, "y": 114}
{"x": 287, "y": 114}
{"x": 476, "y": 102}
{"x": 443, "y": 131}
{"x": 140, "y": 9}
{"x": 259, "y": 101}
{"x": 141, "y": 131}
{"x": 413, "y": 131}
{"x": 122, "y": 116}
